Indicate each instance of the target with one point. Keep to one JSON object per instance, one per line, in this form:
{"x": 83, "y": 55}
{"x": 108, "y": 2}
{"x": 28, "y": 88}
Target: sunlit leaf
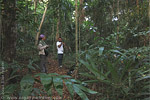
{"x": 101, "y": 49}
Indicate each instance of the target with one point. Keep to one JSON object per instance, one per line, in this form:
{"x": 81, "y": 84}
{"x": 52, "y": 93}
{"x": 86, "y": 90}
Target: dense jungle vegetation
{"x": 107, "y": 49}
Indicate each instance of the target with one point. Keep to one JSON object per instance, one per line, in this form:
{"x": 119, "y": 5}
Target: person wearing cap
{"x": 60, "y": 51}
{"x": 42, "y": 46}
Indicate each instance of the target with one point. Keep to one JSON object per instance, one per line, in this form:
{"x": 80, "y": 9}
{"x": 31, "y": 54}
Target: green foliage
{"x": 26, "y": 85}
{"x": 120, "y": 73}
{"x": 55, "y": 80}
{"x": 10, "y": 89}
{"x": 114, "y": 52}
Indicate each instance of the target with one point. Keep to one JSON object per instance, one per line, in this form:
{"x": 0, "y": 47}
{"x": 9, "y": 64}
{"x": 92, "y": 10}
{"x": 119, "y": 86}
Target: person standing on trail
{"x": 42, "y": 46}
{"x": 60, "y": 51}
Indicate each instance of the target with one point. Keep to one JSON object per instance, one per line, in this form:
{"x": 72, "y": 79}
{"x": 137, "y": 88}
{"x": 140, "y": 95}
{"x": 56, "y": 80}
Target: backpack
{"x": 46, "y": 52}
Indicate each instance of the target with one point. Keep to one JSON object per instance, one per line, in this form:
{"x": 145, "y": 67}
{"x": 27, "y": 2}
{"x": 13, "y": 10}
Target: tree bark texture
{"x": 149, "y": 20}
{"x": 81, "y": 18}
{"x": 76, "y": 31}
{"x": 1, "y": 42}
{"x": 118, "y": 11}
{"x": 9, "y": 30}
{"x": 35, "y": 6}
{"x": 58, "y": 23}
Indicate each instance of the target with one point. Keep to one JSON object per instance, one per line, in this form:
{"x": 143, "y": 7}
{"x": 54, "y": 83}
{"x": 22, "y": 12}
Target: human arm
{"x": 40, "y": 47}
{"x": 59, "y": 44}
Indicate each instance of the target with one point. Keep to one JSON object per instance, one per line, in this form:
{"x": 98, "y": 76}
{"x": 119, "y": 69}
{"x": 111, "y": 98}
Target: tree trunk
{"x": 58, "y": 29}
{"x": 38, "y": 33}
{"x": 1, "y": 36}
{"x": 112, "y": 11}
{"x": 9, "y": 34}
{"x": 81, "y": 18}
{"x": 137, "y": 4}
{"x": 118, "y": 10}
{"x": 54, "y": 40}
{"x": 9, "y": 30}
{"x": 76, "y": 36}
{"x": 35, "y": 6}
{"x": 149, "y": 27}
{"x": 58, "y": 24}
{"x": 149, "y": 20}
{"x": 76, "y": 31}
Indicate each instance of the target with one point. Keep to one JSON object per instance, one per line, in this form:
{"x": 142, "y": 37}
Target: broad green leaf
{"x": 53, "y": 74}
{"x": 27, "y": 80}
{"x": 14, "y": 76}
{"x": 80, "y": 92}
{"x": 74, "y": 81}
{"x": 64, "y": 76}
{"x": 26, "y": 85}
{"x": 13, "y": 73}
{"x": 125, "y": 69}
{"x": 116, "y": 51}
{"x": 9, "y": 89}
{"x": 58, "y": 84}
{"x": 113, "y": 72}
{"x": 46, "y": 79}
{"x": 126, "y": 89}
{"x": 95, "y": 71}
{"x": 85, "y": 89}
{"x": 36, "y": 90}
{"x": 26, "y": 92}
{"x": 30, "y": 65}
{"x": 143, "y": 78}
{"x": 7, "y": 97}
{"x": 91, "y": 81}
{"x": 40, "y": 74}
{"x": 70, "y": 88}
{"x": 48, "y": 87}
{"x": 88, "y": 75}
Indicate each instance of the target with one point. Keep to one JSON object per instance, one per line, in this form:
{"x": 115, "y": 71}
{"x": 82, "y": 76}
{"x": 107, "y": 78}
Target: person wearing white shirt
{"x": 60, "y": 51}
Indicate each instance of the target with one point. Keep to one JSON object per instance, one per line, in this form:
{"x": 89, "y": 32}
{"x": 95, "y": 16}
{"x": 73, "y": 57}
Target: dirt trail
{"x": 52, "y": 67}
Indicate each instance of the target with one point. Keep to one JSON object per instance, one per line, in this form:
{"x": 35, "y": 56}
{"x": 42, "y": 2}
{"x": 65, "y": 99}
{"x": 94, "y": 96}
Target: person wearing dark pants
{"x": 42, "y": 46}
{"x": 60, "y": 51}
{"x": 60, "y": 58}
{"x": 43, "y": 63}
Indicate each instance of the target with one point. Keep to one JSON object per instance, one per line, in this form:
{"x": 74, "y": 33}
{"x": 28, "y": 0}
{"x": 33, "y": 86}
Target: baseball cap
{"x": 42, "y": 36}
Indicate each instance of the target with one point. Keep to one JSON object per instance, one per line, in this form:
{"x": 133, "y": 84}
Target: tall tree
{"x": 0, "y": 31}
{"x": 9, "y": 33}
{"x": 76, "y": 37}
{"x": 58, "y": 21}
{"x": 39, "y": 29}
{"x": 137, "y": 4}
{"x": 9, "y": 30}
{"x": 118, "y": 11}
{"x": 81, "y": 18}
{"x": 149, "y": 20}
{"x": 35, "y": 6}
{"x": 76, "y": 31}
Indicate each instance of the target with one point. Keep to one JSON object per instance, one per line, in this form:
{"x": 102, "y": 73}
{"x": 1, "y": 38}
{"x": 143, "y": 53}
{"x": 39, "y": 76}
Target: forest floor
{"x": 52, "y": 67}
